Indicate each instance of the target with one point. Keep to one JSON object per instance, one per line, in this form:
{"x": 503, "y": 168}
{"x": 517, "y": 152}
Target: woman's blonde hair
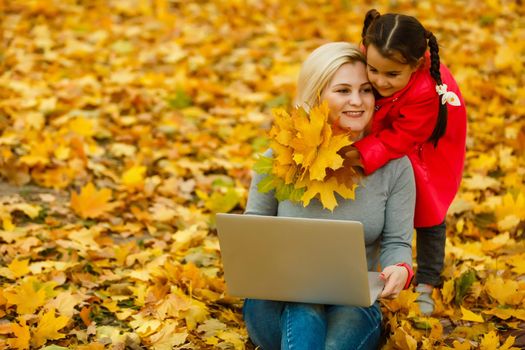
{"x": 319, "y": 68}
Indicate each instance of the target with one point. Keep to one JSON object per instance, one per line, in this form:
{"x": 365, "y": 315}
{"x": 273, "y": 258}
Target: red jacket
{"x": 402, "y": 125}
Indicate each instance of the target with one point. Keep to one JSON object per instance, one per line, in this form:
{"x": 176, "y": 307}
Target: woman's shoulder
{"x": 396, "y": 168}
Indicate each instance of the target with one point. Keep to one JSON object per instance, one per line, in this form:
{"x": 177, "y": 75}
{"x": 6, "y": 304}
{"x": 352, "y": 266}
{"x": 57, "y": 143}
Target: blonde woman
{"x": 385, "y": 205}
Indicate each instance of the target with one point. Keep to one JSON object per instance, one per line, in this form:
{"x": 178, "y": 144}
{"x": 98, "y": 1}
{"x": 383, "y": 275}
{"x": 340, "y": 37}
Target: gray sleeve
{"x": 396, "y": 242}
{"x": 261, "y": 203}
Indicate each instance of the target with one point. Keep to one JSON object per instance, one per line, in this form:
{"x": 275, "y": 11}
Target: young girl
{"x": 420, "y": 113}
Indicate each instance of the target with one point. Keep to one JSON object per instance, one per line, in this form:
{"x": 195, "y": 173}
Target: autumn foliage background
{"x": 126, "y": 124}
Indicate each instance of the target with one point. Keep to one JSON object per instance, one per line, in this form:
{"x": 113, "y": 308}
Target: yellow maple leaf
{"x": 232, "y": 337}
{"x": 327, "y": 157}
{"x": 490, "y": 341}
{"x": 505, "y": 314}
{"x": 511, "y": 211}
{"x": 403, "y": 340}
{"x": 325, "y": 191}
{"x": 405, "y": 301}
{"x": 484, "y": 162}
{"x": 461, "y": 346}
{"x": 22, "y": 336}
{"x": 468, "y": 315}
{"x": 65, "y": 303}
{"x": 308, "y": 134}
{"x": 448, "y": 291}
{"x": 30, "y": 210}
{"x": 19, "y": 268}
{"x": 7, "y": 223}
{"x": 505, "y": 291}
{"x": 517, "y": 262}
{"x": 92, "y": 346}
{"x": 134, "y": 176}
{"x": 26, "y": 298}
{"x": 91, "y": 203}
{"x": 82, "y": 126}
{"x": 48, "y": 328}
{"x": 168, "y": 337}
{"x": 305, "y": 155}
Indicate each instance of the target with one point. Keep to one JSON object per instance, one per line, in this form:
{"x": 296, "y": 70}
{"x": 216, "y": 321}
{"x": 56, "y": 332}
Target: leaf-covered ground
{"x": 126, "y": 124}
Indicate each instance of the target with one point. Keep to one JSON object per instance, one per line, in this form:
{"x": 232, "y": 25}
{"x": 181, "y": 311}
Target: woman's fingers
{"x": 395, "y": 278}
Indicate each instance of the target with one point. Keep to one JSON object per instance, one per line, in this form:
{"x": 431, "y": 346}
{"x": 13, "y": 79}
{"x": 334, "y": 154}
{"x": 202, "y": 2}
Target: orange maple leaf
{"x": 22, "y": 336}
{"x": 91, "y": 203}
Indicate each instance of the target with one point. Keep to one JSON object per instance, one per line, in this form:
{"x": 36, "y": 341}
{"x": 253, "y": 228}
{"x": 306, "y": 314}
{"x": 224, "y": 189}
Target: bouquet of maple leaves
{"x": 306, "y": 160}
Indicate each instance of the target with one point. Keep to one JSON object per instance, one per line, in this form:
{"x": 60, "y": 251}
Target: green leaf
{"x": 267, "y": 184}
{"x": 223, "y": 181}
{"x": 263, "y": 165}
{"x": 463, "y": 284}
{"x": 54, "y": 347}
{"x": 223, "y": 202}
{"x": 180, "y": 100}
{"x": 422, "y": 324}
{"x": 288, "y": 192}
{"x": 260, "y": 143}
{"x": 122, "y": 47}
{"x": 279, "y": 101}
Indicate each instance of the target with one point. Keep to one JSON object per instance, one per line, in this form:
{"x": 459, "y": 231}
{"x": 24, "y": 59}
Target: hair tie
{"x": 447, "y": 96}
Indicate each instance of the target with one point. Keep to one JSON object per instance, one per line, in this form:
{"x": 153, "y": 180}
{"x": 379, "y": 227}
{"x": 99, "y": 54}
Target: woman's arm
{"x": 396, "y": 239}
{"x": 261, "y": 203}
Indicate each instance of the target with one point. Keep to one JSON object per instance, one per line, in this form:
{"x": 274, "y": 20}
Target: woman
{"x": 384, "y": 203}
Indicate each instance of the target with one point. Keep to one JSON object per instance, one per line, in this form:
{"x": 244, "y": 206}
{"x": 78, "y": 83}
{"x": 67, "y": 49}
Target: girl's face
{"x": 350, "y": 97}
{"x": 386, "y": 75}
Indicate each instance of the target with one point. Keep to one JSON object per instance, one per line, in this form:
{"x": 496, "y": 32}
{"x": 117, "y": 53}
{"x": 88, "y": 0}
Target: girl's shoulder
{"x": 422, "y": 87}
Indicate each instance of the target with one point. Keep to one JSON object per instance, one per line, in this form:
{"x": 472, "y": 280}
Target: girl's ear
{"x": 420, "y": 62}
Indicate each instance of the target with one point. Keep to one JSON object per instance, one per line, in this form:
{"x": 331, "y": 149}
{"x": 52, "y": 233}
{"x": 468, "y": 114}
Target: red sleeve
{"x": 413, "y": 126}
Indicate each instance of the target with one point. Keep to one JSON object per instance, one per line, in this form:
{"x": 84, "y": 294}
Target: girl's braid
{"x": 441, "y": 124}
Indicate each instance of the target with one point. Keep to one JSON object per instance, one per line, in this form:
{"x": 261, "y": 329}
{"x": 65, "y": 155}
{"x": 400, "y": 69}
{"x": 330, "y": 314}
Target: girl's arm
{"x": 413, "y": 127}
{"x": 396, "y": 239}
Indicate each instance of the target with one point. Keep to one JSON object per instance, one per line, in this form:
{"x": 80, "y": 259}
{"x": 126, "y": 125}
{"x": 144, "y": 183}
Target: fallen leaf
{"x": 48, "y": 327}
{"x": 90, "y": 203}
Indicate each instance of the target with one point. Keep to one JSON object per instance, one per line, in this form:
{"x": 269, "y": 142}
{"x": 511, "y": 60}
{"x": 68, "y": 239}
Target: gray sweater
{"x": 384, "y": 203}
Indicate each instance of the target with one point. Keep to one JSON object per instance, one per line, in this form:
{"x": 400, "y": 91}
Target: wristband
{"x": 410, "y": 274}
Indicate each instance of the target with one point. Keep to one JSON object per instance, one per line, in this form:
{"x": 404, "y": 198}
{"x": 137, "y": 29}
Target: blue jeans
{"x": 284, "y": 325}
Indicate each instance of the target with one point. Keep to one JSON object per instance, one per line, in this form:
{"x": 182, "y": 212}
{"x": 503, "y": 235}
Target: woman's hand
{"x": 395, "y": 278}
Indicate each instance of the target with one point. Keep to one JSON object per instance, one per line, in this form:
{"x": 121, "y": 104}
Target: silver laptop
{"x": 296, "y": 259}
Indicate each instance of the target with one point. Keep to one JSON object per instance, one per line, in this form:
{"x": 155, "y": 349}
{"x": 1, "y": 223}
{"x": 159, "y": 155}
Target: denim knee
{"x": 356, "y": 328}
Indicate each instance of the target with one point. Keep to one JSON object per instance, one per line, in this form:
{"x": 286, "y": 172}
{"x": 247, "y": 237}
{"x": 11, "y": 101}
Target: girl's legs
{"x": 351, "y": 327}
{"x": 430, "y": 244}
{"x": 280, "y": 325}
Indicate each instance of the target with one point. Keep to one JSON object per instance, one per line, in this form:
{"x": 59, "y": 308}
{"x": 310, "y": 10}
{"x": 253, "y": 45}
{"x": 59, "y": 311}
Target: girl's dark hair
{"x": 395, "y": 33}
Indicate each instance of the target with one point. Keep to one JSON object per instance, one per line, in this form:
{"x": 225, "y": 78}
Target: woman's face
{"x": 350, "y": 98}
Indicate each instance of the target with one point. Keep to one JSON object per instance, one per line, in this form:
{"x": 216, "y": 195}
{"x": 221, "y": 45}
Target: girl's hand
{"x": 395, "y": 278}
